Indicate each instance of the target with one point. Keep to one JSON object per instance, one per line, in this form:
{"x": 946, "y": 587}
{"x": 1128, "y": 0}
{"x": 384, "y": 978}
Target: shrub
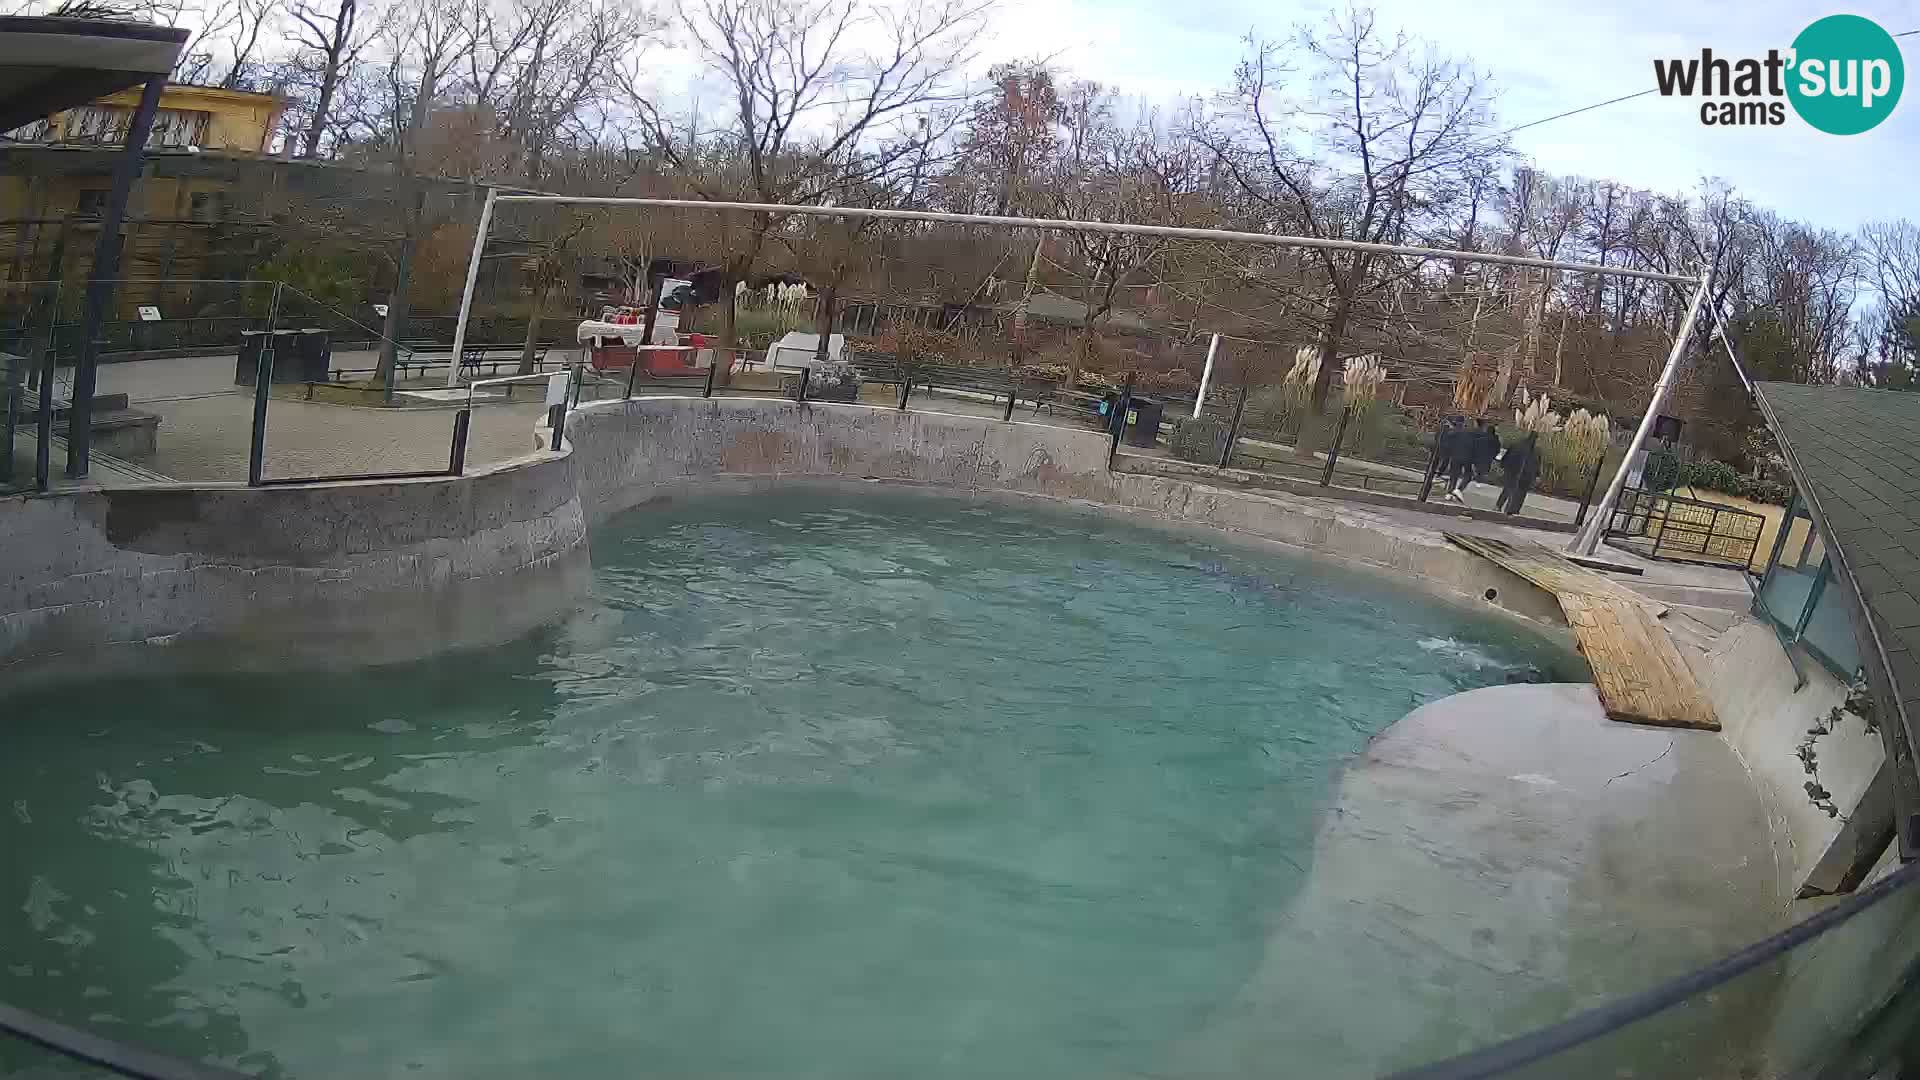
{"x": 1712, "y": 476}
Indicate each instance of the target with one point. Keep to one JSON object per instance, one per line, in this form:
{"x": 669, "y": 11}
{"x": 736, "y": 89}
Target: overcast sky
{"x": 1546, "y": 56}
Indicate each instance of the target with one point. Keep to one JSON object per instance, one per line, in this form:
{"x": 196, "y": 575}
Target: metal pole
{"x": 1233, "y": 431}
{"x": 1433, "y": 468}
{"x": 1586, "y": 500}
{"x": 257, "y": 446}
{"x": 633, "y": 371}
{"x": 1333, "y": 452}
{"x": 106, "y": 263}
{"x": 13, "y": 417}
{"x": 712, "y": 366}
{"x": 1587, "y": 540}
{"x": 466, "y": 295}
{"x": 1206, "y": 375}
{"x": 805, "y": 374}
{"x": 1013, "y": 388}
{"x": 1172, "y": 232}
{"x": 457, "y": 460}
{"x": 43, "y": 450}
{"x": 262, "y": 384}
{"x": 1120, "y": 419}
{"x": 906, "y": 388}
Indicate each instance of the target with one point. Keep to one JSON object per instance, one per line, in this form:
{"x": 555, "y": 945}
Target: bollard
{"x": 457, "y": 459}
{"x": 1333, "y": 452}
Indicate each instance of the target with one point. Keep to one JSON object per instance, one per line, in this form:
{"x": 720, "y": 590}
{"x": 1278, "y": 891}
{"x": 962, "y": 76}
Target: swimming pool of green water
{"x": 816, "y": 784}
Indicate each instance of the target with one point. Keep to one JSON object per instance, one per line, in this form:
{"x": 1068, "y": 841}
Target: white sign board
{"x": 557, "y": 389}
{"x": 380, "y": 310}
{"x": 149, "y": 313}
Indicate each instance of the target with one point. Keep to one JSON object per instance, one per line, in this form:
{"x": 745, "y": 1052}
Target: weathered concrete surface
{"x": 630, "y": 451}
{"x": 333, "y": 574}
{"x": 1765, "y": 720}
{"x": 1493, "y": 863}
{"x": 379, "y": 571}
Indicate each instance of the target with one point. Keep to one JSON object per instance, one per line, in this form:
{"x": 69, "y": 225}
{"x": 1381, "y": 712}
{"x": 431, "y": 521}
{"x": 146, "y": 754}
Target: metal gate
{"x": 1664, "y": 526}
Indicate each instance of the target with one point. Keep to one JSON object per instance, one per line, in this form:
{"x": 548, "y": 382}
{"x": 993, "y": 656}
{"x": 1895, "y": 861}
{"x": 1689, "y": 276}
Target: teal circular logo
{"x": 1846, "y": 75}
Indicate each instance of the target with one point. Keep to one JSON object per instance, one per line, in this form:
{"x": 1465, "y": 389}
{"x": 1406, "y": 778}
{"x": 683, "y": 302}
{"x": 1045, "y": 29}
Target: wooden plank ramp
{"x": 1638, "y": 670}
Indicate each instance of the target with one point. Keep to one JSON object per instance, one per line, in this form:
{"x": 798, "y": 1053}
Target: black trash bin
{"x": 1146, "y": 422}
{"x": 248, "y": 361}
{"x": 312, "y": 356}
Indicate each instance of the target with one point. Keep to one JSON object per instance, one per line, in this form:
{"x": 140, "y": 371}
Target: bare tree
{"x": 811, "y": 113}
{"x": 335, "y": 32}
{"x": 1390, "y": 136}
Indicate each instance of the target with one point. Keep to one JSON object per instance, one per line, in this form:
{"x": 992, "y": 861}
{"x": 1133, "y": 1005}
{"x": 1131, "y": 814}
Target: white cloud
{"x": 1547, "y": 58}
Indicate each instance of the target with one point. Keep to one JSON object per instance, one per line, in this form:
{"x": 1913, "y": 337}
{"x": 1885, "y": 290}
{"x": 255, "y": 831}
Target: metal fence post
{"x": 1586, "y": 499}
{"x": 1013, "y": 388}
{"x": 43, "y": 450}
{"x": 1333, "y": 452}
{"x": 713, "y": 365}
{"x": 12, "y": 421}
{"x": 457, "y": 460}
{"x": 262, "y": 383}
{"x": 906, "y": 388}
{"x": 805, "y": 374}
{"x": 633, "y": 371}
{"x": 1120, "y": 419}
{"x": 1433, "y": 469}
{"x": 1233, "y": 430}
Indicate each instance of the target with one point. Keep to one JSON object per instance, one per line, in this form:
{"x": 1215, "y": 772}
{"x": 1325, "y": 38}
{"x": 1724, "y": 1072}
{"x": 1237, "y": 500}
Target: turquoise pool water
{"x": 818, "y": 784}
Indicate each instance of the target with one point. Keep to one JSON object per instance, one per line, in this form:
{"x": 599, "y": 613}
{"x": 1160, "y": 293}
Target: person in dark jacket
{"x": 1446, "y": 447}
{"x": 1482, "y": 448}
{"x": 1522, "y": 465}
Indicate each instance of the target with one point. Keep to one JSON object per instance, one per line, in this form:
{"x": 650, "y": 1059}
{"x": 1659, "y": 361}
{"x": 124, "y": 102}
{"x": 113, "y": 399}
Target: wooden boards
{"x": 1639, "y": 672}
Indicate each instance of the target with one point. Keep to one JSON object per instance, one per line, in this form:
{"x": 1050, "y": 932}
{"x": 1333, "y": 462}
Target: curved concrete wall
{"x": 256, "y": 577}
{"x": 377, "y": 571}
{"x": 627, "y": 452}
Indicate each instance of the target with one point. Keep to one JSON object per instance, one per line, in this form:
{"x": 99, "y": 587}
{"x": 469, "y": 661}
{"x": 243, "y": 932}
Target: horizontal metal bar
{"x": 106, "y": 1053}
{"x": 1062, "y": 225}
{"x": 282, "y": 481}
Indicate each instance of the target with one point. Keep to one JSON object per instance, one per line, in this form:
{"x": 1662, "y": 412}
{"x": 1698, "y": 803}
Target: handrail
{"x": 117, "y": 1057}
{"x": 1524, "y": 1050}
{"x": 538, "y": 376}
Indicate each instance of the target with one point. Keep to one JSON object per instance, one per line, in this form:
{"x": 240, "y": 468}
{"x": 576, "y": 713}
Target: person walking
{"x": 1482, "y": 450}
{"x": 1446, "y": 447}
{"x": 1522, "y": 465}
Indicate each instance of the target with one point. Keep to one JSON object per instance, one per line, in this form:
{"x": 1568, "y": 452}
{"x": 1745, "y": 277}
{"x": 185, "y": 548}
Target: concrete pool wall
{"x": 377, "y": 571}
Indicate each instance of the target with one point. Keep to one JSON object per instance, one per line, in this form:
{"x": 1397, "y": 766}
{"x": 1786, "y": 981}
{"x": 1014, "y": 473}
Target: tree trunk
{"x": 533, "y": 329}
{"x": 397, "y": 304}
{"x": 1082, "y": 349}
{"x": 1332, "y": 336}
{"x": 823, "y": 320}
{"x": 317, "y": 124}
{"x": 653, "y": 309}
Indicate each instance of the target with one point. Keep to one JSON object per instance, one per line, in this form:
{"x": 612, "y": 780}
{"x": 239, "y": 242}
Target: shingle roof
{"x": 1856, "y": 456}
